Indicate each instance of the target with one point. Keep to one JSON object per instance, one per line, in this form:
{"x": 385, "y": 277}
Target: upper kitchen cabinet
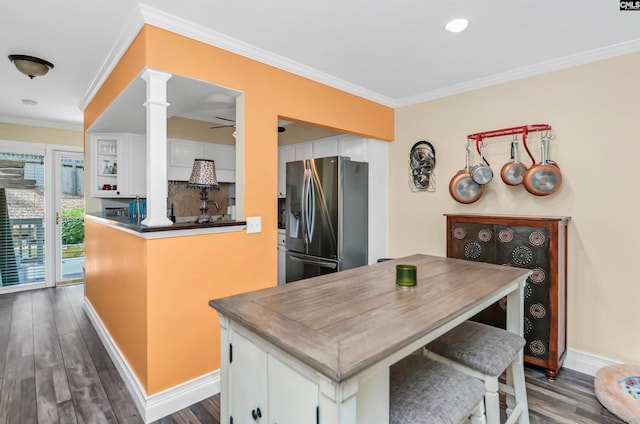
{"x": 225, "y": 159}
{"x": 304, "y": 150}
{"x": 118, "y": 165}
{"x": 353, "y": 147}
{"x": 325, "y": 147}
{"x": 182, "y": 153}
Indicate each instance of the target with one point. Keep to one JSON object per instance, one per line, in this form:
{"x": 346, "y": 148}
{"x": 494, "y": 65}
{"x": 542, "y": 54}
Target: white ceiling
{"x": 396, "y": 53}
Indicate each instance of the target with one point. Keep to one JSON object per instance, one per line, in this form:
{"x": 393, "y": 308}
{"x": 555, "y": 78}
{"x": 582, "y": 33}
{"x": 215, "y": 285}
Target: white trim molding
{"x": 149, "y": 15}
{"x": 130, "y": 30}
{"x": 589, "y": 56}
{"x": 158, "y": 405}
{"x": 68, "y": 126}
{"x": 161, "y": 19}
{"x": 586, "y": 363}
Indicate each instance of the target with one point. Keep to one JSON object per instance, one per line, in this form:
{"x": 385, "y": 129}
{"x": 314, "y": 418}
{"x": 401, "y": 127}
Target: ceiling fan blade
{"x": 221, "y": 126}
{"x": 225, "y": 119}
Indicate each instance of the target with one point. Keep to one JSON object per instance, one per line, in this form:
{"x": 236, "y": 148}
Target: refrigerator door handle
{"x": 303, "y": 206}
{"x": 319, "y": 262}
{"x": 312, "y": 207}
{"x": 308, "y": 206}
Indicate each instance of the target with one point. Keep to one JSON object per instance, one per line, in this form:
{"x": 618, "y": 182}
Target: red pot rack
{"x": 523, "y": 129}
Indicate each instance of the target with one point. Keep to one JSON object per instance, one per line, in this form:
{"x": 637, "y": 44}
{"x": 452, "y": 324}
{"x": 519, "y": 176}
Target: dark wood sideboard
{"x": 535, "y": 243}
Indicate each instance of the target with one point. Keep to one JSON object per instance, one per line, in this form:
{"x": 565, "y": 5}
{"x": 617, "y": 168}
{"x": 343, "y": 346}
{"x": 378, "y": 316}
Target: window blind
{"x": 22, "y": 225}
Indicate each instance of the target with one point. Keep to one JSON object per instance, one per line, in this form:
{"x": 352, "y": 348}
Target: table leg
{"x": 515, "y": 324}
{"x": 363, "y": 399}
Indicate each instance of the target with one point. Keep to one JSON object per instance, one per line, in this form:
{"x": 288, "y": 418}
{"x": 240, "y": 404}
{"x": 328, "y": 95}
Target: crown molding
{"x": 131, "y": 28}
{"x": 160, "y": 19}
{"x": 582, "y": 58}
{"x": 44, "y": 124}
{"x": 152, "y": 16}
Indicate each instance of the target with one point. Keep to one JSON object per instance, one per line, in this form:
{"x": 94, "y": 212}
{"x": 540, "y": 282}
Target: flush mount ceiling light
{"x": 30, "y": 66}
{"x": 457, "y": 25}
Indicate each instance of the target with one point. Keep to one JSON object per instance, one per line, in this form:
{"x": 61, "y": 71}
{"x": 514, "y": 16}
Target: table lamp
{"x": 203, "y": 175}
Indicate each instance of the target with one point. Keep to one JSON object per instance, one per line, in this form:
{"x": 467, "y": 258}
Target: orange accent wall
{"x": 178, "y": 338}
{"x": 117, "y": 289}
{"x": 130, "y": 65}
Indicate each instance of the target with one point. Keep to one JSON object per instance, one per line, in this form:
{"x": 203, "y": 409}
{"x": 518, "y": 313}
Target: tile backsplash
{"x": 186, "y": 200}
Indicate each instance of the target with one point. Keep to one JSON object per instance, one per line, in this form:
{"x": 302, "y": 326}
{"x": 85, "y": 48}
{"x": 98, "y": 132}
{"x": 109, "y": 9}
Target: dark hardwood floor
{"x": 54, "y": 369}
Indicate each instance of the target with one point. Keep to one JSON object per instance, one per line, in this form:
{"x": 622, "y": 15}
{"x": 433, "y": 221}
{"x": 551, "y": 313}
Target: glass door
{"x": 69, "y": 220}
{"x": 22, "y": 216}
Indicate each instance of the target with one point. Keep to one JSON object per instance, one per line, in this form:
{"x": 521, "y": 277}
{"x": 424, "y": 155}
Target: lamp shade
{"x": 31, "y": 66}
{"x": 203, "y": 173}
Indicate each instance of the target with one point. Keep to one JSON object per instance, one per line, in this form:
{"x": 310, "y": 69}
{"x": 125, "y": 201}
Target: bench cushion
{"x": 424, "y": 391}
{"x": 479, "y": 346}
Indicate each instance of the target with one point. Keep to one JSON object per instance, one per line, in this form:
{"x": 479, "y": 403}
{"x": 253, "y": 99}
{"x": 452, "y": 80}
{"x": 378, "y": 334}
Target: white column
{"x": 156, "y": 105}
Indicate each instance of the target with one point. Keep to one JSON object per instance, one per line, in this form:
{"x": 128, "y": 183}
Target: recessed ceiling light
{"x": 29, "y": 102}
{"x": 457, "y": 25}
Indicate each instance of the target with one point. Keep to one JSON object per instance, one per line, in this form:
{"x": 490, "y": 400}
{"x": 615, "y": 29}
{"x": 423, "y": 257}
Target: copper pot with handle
{"x": 512, "y": 172}
{"x": 462, "y": 187}
{"x": 543, "y": 178}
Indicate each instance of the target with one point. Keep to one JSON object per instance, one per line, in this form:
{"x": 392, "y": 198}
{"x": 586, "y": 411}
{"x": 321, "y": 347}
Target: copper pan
{"x": 543, "y": 178}
{"x": 462, "y": 187}
{"x": 512, "y": 172}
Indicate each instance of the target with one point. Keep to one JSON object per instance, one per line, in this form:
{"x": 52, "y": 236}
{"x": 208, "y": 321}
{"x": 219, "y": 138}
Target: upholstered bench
{"x": 424, "y": 391}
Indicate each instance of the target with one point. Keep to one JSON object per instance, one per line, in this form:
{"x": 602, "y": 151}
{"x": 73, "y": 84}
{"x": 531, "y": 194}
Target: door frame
{"x": 56, "y": 153}
{"x": 48, "y": 150}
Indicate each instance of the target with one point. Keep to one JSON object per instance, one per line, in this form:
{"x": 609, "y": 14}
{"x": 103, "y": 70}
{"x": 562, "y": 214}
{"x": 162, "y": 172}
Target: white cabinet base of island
{"x": 263, "y": 384}
{"x": 319, "y": 350}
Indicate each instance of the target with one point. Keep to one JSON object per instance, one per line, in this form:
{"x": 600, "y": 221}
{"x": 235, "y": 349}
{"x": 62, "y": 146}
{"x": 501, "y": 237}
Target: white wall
{"x": 594, "y": 110}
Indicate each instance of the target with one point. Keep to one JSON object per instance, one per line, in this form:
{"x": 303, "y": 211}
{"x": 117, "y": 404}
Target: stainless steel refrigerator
{"x": 326, "y": 216}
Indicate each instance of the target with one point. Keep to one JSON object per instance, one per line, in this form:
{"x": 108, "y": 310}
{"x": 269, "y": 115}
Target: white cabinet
{"x": 118, "y": 165}
{"x": 304, "y": 150}
{"x": 182, "y": 153}
{"x": 265, "y": 389}
{"x": 133, "y": 166}
{"x": 225, "y": 158}
{"x": 285, "y": 154}
{"x": 181, "y": 156}
{"x": 325, "y": 147}
{"x": 353, "y": 147}
{"x": 248, "y": 371}
{"x": 295, "y": 401}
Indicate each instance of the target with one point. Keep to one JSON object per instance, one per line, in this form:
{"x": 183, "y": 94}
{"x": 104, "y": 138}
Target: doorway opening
{"x": 69, "y": 202}
{"x": 41, "y": 215}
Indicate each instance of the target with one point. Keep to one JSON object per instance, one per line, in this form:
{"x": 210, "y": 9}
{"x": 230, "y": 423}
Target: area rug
{"x": 618, "y": 389}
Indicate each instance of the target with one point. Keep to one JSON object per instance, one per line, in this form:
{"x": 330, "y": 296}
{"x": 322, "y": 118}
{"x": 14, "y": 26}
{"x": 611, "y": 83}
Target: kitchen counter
{"x": 177, "y": 229}
{"x": 330, "y": 340}
{"x": 342, "y": 323}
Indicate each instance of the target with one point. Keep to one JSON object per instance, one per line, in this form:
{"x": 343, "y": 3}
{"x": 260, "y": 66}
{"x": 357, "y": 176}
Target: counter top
{"x": 342, "y": 323}
{"x": 179, "y": 228}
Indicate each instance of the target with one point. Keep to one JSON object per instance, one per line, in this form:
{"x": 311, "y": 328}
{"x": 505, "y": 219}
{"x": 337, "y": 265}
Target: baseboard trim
{"x": 586, "y": 363}
{"x": 158, "y": 405}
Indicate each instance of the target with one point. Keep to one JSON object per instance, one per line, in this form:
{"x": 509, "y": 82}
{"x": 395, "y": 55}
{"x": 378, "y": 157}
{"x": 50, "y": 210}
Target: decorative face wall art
{"x": 422, "y": 162}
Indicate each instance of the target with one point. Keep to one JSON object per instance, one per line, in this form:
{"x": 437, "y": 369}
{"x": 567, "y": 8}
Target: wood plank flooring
{"x": 54, "y": 369}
